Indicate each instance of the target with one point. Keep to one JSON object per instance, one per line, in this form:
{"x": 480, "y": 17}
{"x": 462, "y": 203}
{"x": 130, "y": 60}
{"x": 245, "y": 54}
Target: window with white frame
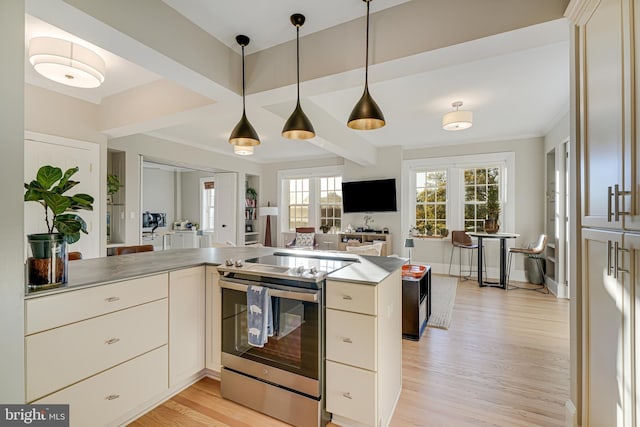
{"x": 452, "y": 192}
{"x": 207, "y": 194}
{"x": 312, "y": 198}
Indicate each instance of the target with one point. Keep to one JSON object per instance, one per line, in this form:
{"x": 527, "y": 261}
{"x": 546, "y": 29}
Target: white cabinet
{"x": 213, "y": 322}
{"x": 102, "y": 350}
{"x": 364, "y": 351}
{"x": 186, "y": 324}
{"x": 184, "y": 240}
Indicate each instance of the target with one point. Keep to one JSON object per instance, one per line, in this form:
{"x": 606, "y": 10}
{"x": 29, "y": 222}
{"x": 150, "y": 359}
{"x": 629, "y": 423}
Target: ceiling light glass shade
{"x": 243, "y": 150}
{"x": 298, "y": 126}
{"x": 457, "y": 120}
{"x": 366, "y": 114}
{"x": 66, "y": 62}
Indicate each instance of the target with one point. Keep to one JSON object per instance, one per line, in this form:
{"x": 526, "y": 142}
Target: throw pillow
{"x": 304, "y": 239}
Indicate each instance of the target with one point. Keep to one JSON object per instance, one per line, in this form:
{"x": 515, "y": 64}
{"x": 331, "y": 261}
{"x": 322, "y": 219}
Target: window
{"x": 298, "y": 203}
{"x": 453, "y": 192}
{"x": 431, "y": 201}
{"x": 311, "y": 197}
{"x": 208, "y": 203}
{"x": 331, "y": 201}
{"x": 479, "y": 185}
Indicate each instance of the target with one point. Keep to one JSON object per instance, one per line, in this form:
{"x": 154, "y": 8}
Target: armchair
{"x": 305, "y": 238}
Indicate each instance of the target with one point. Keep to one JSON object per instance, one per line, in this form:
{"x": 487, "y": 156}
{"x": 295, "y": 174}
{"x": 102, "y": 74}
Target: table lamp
{"x": 408, "y": 243}
{"x": 267, "y": 211}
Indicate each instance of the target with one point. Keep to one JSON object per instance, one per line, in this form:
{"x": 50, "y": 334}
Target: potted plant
{"x": 251, "y": 195}
{"x": 113, "y": 186}
{"x": 493, "y": 210}
{"x": 48, "y": 260}
{"x": 325, "y": 228}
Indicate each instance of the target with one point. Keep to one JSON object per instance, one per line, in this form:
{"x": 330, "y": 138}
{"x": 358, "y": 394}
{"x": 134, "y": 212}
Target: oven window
{"x": 294, "y": 346}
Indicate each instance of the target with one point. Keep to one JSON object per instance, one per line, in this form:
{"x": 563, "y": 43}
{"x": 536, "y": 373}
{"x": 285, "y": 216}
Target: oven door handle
{"x": 278, "y": 293}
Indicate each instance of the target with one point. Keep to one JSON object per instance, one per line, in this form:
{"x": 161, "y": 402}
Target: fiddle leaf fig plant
{"x": 48, "y": 189}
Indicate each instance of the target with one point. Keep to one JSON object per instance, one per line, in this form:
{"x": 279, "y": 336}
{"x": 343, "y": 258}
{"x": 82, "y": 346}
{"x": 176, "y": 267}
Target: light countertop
{"x": 97, "y": 271}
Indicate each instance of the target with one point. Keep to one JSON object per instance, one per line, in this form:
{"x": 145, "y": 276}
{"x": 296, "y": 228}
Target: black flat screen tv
{"x": 378, "y": 195}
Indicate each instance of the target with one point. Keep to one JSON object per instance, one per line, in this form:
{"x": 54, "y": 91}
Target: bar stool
{"x": 461, "y": 240}
{"x": 123, "y": 250}
{"x": 537, "y": 253}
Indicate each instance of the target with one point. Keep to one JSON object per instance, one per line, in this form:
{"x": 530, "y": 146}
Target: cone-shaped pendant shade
{"x": 366, "y": 115}
{"x": 244, "y": 134}
{"x": 298, "y": 126}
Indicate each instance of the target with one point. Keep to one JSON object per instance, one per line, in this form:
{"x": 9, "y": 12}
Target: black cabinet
{"x": 416, "y": 304}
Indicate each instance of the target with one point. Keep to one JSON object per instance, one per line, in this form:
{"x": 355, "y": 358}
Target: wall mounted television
{"x": 378, "y": 195}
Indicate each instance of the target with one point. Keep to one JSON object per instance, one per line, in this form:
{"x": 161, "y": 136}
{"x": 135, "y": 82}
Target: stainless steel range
{"x": 285, "y": 377}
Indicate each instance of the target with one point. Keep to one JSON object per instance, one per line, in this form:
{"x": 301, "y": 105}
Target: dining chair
{"x": 536, "y": 252}
{"x": 123, "y": 250}
{"x": 461, "y": 240}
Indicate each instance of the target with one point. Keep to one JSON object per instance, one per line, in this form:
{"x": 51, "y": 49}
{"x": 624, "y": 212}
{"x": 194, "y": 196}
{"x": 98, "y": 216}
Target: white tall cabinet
{"x": 607, "y": 391}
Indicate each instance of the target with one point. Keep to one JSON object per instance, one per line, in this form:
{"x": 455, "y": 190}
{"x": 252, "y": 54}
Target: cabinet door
{"x": 603, "y": 364}
{"x": 631, "y": 307}
{"x": 225, "y": 224}
{"x": 602, "y": 115}
{"x": 186, "y": 323}
{"x": 632, "y": 202}
{"x": 213, "y": 320}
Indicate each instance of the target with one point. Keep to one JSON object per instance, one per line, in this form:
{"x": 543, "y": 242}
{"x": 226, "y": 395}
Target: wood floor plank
{"x": 503, "y": 362}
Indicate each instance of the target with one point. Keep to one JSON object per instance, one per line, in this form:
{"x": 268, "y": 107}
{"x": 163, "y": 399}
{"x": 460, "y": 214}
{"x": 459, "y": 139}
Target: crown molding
{"x": 579, "y": 11}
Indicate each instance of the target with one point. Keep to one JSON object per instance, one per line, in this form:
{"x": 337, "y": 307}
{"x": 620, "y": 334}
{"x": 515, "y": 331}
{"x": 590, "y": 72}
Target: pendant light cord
{"x": 298, "y": 59}
{"x": 366, "y": 64}
{"x": 243, "y": 110}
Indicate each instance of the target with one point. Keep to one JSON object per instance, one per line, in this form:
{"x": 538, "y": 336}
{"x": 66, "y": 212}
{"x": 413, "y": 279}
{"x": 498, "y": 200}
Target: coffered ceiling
{"x": 173, "y": 69}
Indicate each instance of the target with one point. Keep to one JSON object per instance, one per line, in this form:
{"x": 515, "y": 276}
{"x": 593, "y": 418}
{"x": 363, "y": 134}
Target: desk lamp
{"x": 408, "y": 243}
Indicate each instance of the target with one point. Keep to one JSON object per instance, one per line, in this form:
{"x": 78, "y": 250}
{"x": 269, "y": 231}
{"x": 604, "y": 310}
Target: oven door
{"x": 292, "y": 356}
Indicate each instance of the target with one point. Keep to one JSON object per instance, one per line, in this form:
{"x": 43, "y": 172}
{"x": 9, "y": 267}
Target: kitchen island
{"x": 128, "y": 332}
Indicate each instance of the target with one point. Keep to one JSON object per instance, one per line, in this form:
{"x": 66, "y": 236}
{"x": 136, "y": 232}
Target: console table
{"x": 416, "y": 304}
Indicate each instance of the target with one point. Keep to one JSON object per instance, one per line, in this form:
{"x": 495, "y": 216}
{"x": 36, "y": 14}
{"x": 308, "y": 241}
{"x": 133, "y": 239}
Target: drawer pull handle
{"x": 113, "y": 299}
{"x": 347, "y": 297}
{"x": 112, "y": 397}
{"x": 347, "y": 340}
{"x": 347, "y": 395}
{"x": 112, "y": 341}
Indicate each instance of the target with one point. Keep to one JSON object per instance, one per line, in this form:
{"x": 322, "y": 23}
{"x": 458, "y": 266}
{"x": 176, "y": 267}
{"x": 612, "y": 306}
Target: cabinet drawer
{"x": 351, "y": 393}
{"x": 351, "y": 297}
{"x": 63, "y": 356}
{"x": 68, "y": 307}
{"x": 108, "y": 396}
{"x": 351, "y": 339}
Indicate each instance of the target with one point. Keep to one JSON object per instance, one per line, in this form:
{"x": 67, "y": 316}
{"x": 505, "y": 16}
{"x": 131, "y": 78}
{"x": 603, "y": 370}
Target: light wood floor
{"x": 503, "y": 362}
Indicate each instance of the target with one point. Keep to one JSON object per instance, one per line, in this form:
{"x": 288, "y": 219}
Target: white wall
{"x": 12, "y": 178}
{"x": 159, "y": 193}
{"x": 191, "y": 194}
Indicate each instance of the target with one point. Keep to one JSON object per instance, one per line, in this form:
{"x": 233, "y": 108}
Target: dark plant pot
{"x": 47, "y": 262}
{"x": 491, "y": 225}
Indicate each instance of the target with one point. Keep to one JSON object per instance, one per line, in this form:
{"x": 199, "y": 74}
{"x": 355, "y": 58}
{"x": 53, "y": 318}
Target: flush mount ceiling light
{"x": 66, "y": 62}
{"x": 366, "y": 115}
{"x": 243, "y": 135}
{"x": 298, "y": 126}
{"x": 457, "y": 120}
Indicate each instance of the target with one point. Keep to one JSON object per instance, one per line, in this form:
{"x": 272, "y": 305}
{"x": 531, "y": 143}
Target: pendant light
{"x": 243, "y": 135}
{"x": 298, "y": 126}
{"x": 457, "y": 120}
{"x": 366, "y": 115}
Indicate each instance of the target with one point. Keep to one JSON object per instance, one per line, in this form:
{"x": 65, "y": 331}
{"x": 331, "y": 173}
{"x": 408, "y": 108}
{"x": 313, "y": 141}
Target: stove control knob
{"x": 239, "y": 263}
{"x": 228, "y": 262}
{"x": 300, "y": 270}
{"x": 313, "y": 270}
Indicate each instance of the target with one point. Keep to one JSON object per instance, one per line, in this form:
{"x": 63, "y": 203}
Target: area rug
{"x": 443, "y": 295}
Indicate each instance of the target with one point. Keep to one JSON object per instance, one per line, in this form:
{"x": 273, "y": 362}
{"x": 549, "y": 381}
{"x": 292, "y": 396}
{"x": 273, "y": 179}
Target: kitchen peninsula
{"x": 130, "y": 331}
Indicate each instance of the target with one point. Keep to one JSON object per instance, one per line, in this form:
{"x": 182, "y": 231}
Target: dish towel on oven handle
{"x": 259, "y": 315}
